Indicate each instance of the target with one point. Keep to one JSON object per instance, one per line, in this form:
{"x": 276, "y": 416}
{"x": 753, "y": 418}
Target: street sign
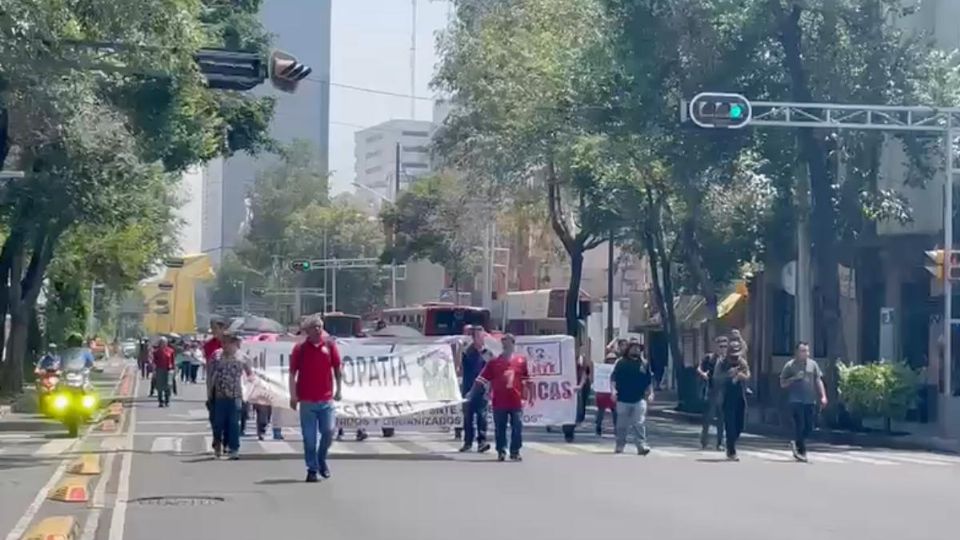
{"x": 165, "y": 286}
{"x": 720, "y": 110}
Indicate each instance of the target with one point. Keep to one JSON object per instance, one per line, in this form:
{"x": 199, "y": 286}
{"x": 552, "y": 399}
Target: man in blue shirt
{"x": 474, "y": 357}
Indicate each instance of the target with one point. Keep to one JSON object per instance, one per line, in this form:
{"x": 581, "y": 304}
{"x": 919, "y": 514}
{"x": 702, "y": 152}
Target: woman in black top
{"x": 731, "y": 375}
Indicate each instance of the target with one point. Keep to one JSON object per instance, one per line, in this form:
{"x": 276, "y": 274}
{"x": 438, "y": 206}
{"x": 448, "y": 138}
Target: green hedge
{"x": 881, "y": 390}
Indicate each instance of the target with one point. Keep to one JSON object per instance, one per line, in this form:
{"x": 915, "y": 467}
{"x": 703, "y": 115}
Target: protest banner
{"x": 401, "y": 382}
{"x": 601, "y": 377}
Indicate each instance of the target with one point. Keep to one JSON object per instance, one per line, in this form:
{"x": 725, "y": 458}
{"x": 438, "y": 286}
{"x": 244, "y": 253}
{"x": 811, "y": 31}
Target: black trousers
{"x": 734, "y": 416}
{"x": 803, "y": 414}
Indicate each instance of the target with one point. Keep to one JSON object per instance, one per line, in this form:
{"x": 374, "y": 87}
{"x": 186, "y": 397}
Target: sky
{"x": 371, "y": 49}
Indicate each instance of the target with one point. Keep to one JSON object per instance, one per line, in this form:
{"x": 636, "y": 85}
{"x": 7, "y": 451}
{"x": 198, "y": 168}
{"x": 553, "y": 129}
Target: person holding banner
{"x": 505, "y": 375}
{"x": 314, "y": 370}
{"x": 473, "y": 360}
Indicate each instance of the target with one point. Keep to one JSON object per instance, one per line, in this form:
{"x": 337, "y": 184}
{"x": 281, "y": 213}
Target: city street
{"x": 159, "y": 478}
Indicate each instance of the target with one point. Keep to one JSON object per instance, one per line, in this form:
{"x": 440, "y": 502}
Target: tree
{"x": 341, "y": 233}
{"x": 278, "y": 193}
{"x": 439, "y": 219}
{"x": 532, "y": 78}
{"x": 96, "y": 136}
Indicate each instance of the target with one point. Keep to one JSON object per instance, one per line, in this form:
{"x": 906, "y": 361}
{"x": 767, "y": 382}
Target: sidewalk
{"x": 906, "y": 441}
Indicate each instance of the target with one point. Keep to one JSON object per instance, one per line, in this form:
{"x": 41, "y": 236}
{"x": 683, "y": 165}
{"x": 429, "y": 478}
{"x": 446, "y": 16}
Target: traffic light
{"x": 286, "y": 72}
{"x": 937, "y": 267}
{"x": 260, "y": 293}
{"x": 300, "y": 265}
{"x": 718, "y": 110}
{"x": 231, "y": 70}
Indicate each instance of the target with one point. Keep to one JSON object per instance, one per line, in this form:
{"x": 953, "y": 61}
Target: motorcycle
{"x": 47, "y": 381}
{"x": 74, "y": 400}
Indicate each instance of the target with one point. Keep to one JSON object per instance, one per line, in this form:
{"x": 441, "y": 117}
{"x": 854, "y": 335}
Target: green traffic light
{"x": 736, "y": 112}
{"x": 306, "y": 266}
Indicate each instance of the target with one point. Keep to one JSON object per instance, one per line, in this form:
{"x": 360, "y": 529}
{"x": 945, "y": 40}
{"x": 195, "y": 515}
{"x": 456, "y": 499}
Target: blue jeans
{"x": 226, "y": 422}
{"x": 474, "y": 410}
{"x": 500, "y": 418}
{"x": 317, "y": 417}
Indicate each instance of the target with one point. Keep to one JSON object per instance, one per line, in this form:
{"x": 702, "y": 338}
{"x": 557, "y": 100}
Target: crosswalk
{"x": 442, "y": 446}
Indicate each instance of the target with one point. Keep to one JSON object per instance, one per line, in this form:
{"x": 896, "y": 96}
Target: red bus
{"x": 438, "y": 318}
{"x": 342, "y": 325}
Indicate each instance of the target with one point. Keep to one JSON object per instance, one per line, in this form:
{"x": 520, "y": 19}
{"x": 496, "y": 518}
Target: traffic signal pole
{"x": 943, "y": 121}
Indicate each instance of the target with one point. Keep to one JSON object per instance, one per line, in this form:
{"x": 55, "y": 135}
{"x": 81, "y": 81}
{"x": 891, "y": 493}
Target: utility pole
{"x": 243, "y": 298}
{"x": 413, "y": 62}
{"x": 393, "y": 261}
{"x": 326, "y": 290}
{"x": 610, "y": 273}
{"x": 804, "y": 285}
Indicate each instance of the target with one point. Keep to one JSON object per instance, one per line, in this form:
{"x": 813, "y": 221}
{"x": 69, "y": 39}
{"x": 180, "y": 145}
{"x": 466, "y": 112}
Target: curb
{"x": 828, "y": 436}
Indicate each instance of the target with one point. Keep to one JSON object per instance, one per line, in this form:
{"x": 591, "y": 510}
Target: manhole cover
{"x": 178, "y": 501}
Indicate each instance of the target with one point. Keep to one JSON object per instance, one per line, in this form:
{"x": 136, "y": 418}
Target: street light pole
{"x": 384, "y": 199}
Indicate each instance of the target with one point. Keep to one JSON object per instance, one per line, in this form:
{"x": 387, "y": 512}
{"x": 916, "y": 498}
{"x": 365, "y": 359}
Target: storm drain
{"x": 177, "y": 501}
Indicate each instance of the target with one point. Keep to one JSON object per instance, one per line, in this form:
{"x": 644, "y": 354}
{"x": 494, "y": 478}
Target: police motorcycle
{"x": 73, "y": 401}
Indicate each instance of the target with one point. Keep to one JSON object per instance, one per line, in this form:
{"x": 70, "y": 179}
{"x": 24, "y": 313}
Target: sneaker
{"x": 361, "y": 436}
{"x": 618, "y": 450}
{"x": 234, "y": 455}
{"x": 733, "y": 457}
{"x": 643, "y": 450}
{"x": 501, "y": 456}
{"x": 720, "y": 447}
{"x": 484, "y": 447}
{"x": 515, "y": 457}
{"x": 802, "y": 458}
{"x": 464, "y": 448}
{"x": 796, "y": 453}
{"x": 259, "y": 436}
{"x": 312, "y": 477}
{"x": 325, "y": 472}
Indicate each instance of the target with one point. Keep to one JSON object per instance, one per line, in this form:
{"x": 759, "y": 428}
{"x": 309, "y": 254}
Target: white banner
{"x": 413, "y": 382}
{"x": 601, "y": 377}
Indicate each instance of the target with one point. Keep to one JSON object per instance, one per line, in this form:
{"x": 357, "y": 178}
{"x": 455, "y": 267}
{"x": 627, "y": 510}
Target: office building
{"x": 302, "y": 28}
{"x": 375, "y": 152}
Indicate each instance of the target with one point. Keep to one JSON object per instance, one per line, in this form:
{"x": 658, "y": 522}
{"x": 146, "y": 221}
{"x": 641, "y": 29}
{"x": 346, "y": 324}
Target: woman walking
{"x": 731, "y": 376}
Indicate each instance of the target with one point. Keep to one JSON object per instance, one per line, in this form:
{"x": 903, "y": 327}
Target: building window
{"x": 415, "y": 166}
{"x": 372, "y": 170}
{"x": 420, "y": 149}
{"x": 369, "y": 155}
{"x": 415, "y": 133}
{"x": 374, "y": 138}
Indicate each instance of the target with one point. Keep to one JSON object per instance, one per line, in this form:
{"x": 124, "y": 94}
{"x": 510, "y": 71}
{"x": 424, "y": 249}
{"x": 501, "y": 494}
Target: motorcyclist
{"x": 76, "y": 341}
{"x": 50, "y": 360}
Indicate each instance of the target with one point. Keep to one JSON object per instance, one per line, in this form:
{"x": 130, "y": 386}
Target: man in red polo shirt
{"x": 505, "y": 375}
{"x": 212, "y": 348}
{"x": 163, "y": 363}
{"x": 315, "y": 380}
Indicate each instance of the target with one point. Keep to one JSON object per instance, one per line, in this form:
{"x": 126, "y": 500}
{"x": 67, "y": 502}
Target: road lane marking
{"x": 98, "y": 501}
{"x": 119, "y": 515}
{"x": 939, "y": 458}
{"x": 208, "y": 443}
{"x": 166, "y": 444}
{"x": 276, "y": 447}
{"x": 339, "y": 448}
{"x": 767, "y": 455}
{"x": 914, "y": 460}
{"x": 382, "y": 448}
{"x": 549, "y": 449}
{"x": 54, "y": 447}
{"x": 436, "y": 447}
{"x": 863, "y": 458}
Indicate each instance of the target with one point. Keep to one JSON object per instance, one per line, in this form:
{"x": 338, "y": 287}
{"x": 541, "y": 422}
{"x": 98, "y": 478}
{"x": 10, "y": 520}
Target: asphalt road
{"x": 160, "y": 481}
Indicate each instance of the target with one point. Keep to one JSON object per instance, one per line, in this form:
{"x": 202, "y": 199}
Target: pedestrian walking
{"x": 604, "y": 400}
{"x": 584, "y": 383}
{"x": 196, "y": 362}
{"x": 631, "y": 382}
{"x": 226, "y": 395}
{"x": 731, "y": 376}
{"x": 143, "y": 358}
{"x": 183, "y": 361}
{"x": 505, "y": 376}
{"x": 212, "y": 351}
{"x": 315, "y": 383}
{"x": 164, "y": 366}
{"x": 473, "y": 360}
{"x": 712, "y": 413}
{"x": 802, "y": 379}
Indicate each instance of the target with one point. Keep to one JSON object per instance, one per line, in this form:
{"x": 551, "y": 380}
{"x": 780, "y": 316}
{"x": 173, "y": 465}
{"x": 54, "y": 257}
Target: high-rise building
{"x": 302, "y": 28}
{"x": 375, "y": 152}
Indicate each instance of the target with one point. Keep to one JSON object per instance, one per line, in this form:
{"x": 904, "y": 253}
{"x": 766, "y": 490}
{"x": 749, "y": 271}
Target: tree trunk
{"x": 823, "y": 213}
{"x": 12, "y": 381}
{"x": 572, "y": 304}
{"x": 691, "y": 255}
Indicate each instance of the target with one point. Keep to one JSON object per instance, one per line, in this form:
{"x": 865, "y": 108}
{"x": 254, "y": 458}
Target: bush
{"x": 883, "y": 390}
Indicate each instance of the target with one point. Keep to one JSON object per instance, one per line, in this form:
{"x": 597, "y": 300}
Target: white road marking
{"x": 767, "y": 455}
{"x": 208, "y": 443}
{"x": 915, "y": 460}
{"x": 383, "y": 448}
{"x": 436, "y": 447}
{"x": 276, "y": 447}
{"x": 858, "y": 456}
{"x": 163, "y": 444}
{"x": 940, "y": 458}
{"x": 549, "y": 449}
{"x": 339, "y": 448}
{"x": 119, "y": 516}
{"x": 55, "y": 447}
{"x": 171, "y": 422}
{"x": 98, "y": 501}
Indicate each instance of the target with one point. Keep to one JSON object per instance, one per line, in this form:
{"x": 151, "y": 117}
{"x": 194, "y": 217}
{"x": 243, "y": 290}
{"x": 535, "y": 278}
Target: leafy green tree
{"x": 278, "y": 193}
{"x": 531, "y": 78}
{"x": 342, "y": 233}
{"x": 95, "y": 136}
{"x": 885, "y": 390}
{"x": 439, "y": 219}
